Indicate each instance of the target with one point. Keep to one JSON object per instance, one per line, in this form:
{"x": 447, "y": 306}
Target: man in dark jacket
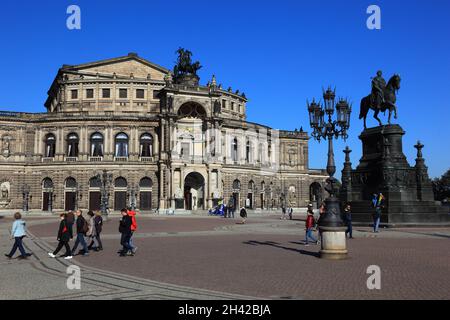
{"x": 82, "y": 228}
{"x": 125, "y": 230}
{"x": 348, "y": 220}
{"x": 63, "y": 238}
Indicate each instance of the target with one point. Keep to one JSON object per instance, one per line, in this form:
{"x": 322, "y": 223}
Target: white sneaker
{"x": 51, "y": 255}
{"x": 68, "y": 257}
{"x": 134, "y": 249}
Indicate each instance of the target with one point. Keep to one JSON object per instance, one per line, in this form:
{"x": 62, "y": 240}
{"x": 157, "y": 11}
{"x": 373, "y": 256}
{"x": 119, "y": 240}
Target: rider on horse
{"x": 378, "y": 86}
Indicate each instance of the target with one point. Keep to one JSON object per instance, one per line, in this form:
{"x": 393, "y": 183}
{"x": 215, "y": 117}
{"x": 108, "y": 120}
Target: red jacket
{"x": 309, "y": 221}
{"x": 132, "y": 214}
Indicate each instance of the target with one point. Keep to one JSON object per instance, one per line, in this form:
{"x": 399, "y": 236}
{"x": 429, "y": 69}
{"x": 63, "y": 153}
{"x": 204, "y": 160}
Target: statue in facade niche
{"x": 6, "y": 146}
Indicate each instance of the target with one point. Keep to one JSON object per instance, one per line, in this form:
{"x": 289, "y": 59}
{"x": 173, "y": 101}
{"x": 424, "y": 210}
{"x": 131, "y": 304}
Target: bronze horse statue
{"x": 389, "y": 93}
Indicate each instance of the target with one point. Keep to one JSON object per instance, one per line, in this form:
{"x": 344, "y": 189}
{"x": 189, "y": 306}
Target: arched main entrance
{"x": 194, "y": 187}
{"x": 315, "y": 194}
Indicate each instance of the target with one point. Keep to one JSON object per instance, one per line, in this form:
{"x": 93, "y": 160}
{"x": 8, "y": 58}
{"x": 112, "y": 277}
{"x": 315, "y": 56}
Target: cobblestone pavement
{"x": 211, "y": 257}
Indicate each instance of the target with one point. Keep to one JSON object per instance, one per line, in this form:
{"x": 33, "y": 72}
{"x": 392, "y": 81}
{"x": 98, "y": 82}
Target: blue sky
{"x": 279, "y": 53}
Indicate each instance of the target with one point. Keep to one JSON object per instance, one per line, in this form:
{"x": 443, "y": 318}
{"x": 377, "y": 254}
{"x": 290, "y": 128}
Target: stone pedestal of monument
{"x": 383, "y": 168}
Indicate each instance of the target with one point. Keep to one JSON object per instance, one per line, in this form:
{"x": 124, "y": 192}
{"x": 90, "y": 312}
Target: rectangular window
{"x": 232, "y": 106}
{"x": 139, "y": 93}
{"x": 155, "y": 94}
{"x": 224, "y": 104}
{"x": 89, "y": 93}
{"x": 122, "y": 93}
{"x": 74, "y": 94}
{"x": 106, "y": 93}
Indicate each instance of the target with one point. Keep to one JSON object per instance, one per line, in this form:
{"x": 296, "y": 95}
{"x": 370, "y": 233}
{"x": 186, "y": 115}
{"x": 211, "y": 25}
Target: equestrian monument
{"x": 383, "y": 167}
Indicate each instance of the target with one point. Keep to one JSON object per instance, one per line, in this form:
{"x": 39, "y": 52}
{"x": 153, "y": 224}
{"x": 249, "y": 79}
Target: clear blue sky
{"x": 279, "y": 53}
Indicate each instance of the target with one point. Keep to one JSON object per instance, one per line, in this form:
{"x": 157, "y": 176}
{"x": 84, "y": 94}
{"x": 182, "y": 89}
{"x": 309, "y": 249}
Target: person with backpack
{"x": 125, "y": 231}
{"x": 63, "y": 237}
{"x": 132, "y": 214}
{"x": 243, "y": 214}
{"x": 82, "y": 229}
{"x": 309, "y": 226}
{"x": 18, "y": 232}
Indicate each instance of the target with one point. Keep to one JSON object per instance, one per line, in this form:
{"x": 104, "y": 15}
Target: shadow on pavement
{"x": 277, "y": 245}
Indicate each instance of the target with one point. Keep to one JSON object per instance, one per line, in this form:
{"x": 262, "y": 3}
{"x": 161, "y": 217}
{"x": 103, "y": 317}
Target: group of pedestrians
{"x": 88, "y": 229}
{"x": 286, "y": 212}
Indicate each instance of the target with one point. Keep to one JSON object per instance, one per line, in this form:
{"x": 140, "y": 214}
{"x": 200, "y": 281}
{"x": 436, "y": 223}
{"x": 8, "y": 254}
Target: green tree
{"x": 441, "y": 187}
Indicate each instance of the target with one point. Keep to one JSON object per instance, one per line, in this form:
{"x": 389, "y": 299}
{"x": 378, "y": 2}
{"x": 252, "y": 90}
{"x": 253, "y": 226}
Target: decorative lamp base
{"x": 333, "y": 243}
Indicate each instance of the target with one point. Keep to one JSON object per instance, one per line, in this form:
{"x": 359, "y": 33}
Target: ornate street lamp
{"x": 106, "y": 180}
{"x": 26, "y": 196}
{"x": 331, "y": 225}
{"x": 78, "y": 194}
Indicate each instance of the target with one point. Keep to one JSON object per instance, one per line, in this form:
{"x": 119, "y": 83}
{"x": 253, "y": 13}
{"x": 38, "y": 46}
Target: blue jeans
{"x": 17, "y": 245}
{"x": 309, "y": 235}
{"x": 125, "y": 242}
{"x": 130, "y": 243}
{"x": 376, "y": 219}
{"x": 80, "y": 239}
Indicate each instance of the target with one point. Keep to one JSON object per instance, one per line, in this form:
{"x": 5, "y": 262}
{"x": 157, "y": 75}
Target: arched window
{"x": 50, "y": 143}
{"x": 261, "y": 152}
{"x": 146, "y": 148}
{"x": 72, "y": 145}
{"x": 191, "y": 110}
{"x": 97, "y": 145}
{"x": 145, "y": 182}
{"x": 47, "y": 183}
{"x": 95, "y": 182}
{"x": 71, "y": 183}
{"x": 234, "y": 150}
{"x": 248, "y": 152}
{"x": 120, "y": 182}
{"x": 236, "y": 185}
{"x": 263, "y": 186}
{"x": 121, "y": 145}
{"x": 251, "y": 185}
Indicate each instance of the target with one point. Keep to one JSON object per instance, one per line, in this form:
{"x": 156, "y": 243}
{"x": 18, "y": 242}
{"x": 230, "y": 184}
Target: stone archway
{"x": 194, "y": 191}
{"x": 315, "y": 194}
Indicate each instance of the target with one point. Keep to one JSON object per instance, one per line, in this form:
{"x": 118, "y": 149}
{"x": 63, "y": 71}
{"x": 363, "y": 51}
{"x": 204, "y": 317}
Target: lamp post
{"x": 26, "y": 196}
{"x": 331, "y": 225}
{"x": 105, "y": 179}
{"x": 78, "y": 195}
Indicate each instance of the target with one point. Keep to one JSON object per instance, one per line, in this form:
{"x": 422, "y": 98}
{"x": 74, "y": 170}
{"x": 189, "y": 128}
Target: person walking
{"x": 18, "y": 232}
{"x": 309, "y": 225}
{"x": 92, "y": 232}
{"x": 98, "y": 224}
{"x": 132, "y": 214}
{"x": 290, "y": 211}
{"x": 63, "y": 237}
{"x": 125, "y": 231}
{"x": 82, "y": 229}
{"x": 243, "y": 214}
{"x": 283, "y": 212}
{"x": 348, "y": 220}
{"x": 378, "y": 203}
